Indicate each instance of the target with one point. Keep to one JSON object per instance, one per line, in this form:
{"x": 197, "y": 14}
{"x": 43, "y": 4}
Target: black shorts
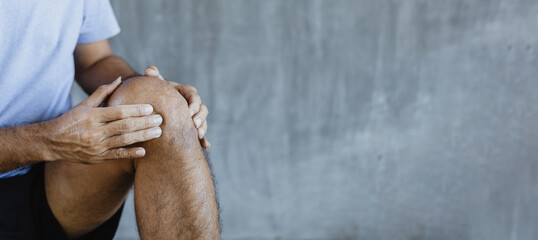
{"x": 25, "y": 212}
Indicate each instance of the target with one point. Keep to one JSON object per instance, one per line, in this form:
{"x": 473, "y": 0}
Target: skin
{"x": 151, "y": 134}
{"x": 174, "y": 193}
{"x": 95, "y": 65}
{"x": 174, "y": 184}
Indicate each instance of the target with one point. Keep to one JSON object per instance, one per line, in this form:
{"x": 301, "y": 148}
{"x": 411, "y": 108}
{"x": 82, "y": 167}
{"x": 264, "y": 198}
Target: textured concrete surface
{"x": 357, "y": 119}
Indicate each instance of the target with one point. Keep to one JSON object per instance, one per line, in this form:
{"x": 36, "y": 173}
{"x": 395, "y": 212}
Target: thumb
{"x": 101, "y": 94}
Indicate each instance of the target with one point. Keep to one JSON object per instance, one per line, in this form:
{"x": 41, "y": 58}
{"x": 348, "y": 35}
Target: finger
{"x": 153, "y": 72}
{"x": 132, "y": 138}
{"x": 205, "y": 143}
{"x": 192, "y": 97}
{"x": 108, "y": 114}
{"x": 132, "y": 125}
{"x": 100, "y": 95}
{"x": 202, "y": 130}
{"x": 200, "y": 117}
{"x": 124, "y": 153}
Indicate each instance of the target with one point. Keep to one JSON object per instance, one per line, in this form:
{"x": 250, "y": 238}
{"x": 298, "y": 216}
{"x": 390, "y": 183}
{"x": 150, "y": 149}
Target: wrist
{"x": 43, "y": 135}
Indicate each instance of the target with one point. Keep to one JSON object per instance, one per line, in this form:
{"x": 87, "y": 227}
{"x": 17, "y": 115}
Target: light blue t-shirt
{"x": 37, "y": 39}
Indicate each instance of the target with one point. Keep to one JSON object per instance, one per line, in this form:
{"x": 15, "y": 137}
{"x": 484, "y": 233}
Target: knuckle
{"x": 123, "y": 139}
{"x": 85, "y": 137}
{"x": 91, "y": 112}
{"x": 92, "y": 116}
{"x": 127, "y": 140}
{"x": 149, "y": 122}
{"x": 123, "y": 112}
{"x": 126, "y": 126}
{"x": 190, "y": 89}
{"x": 95, "y": 150}
{"x": 95, "y": 136}
{"x": 122, "y": 127}
{"x": 118, "y": 153}
{"x": 193, "y": 89}
{"x": 145, "y": 135}
{"x": 141, "y": 110}
{"x": 88, "y": 138}
{"x": 148, "y": 134}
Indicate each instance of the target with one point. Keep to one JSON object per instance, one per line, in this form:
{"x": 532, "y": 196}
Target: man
{"x": 65, "y": 173}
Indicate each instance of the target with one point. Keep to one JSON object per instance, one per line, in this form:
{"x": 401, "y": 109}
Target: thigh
{"x": 82, "y": 197}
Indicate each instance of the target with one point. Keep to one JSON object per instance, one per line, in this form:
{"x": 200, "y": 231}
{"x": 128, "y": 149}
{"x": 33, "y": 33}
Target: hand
{"x": 199, "y": 111}
{"x": 92, "y": 134}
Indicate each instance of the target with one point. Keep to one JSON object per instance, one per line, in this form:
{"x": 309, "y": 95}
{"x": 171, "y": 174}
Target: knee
{"x": 178, "y": 128}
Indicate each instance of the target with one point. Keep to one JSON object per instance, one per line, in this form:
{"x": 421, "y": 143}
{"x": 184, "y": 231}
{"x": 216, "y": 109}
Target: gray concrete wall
{"x": 357, "y": 119}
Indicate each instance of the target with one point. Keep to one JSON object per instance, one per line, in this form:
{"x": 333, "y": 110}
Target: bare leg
{"x": 82, "y": 197}
{"x": 174, "y": 193}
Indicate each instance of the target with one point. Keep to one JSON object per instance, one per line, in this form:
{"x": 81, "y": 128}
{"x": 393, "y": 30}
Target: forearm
{"x": 103, "y": 72}
{"x": 23, "y": 145}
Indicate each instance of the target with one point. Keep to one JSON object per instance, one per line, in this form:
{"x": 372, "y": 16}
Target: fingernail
{"x": 202, "y": 132}
{"x": 192, "y": 113}
{"x": 198, "y": 122}
{"x": 152, "y": 71}
{"x": 156, "y": 132}
{"x": 148, "y": 109}
{"x": 140, "y": 152}
{"x": 117, "y": 80}
{"x": 158, "y": 120}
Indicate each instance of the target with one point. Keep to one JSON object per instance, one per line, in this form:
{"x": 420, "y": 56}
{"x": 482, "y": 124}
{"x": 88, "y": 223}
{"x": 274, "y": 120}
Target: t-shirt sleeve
{"x": 99, "y": 22}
